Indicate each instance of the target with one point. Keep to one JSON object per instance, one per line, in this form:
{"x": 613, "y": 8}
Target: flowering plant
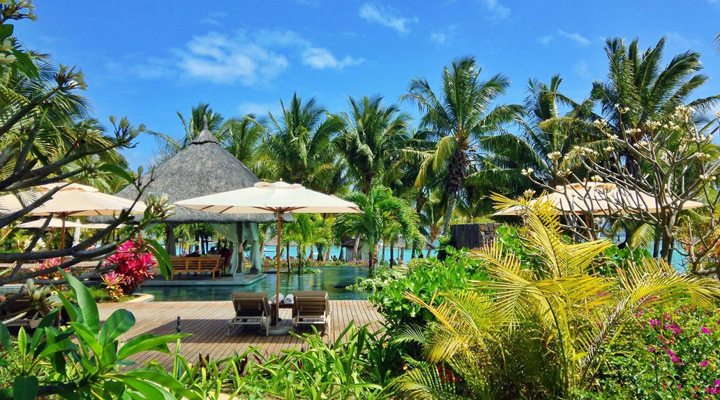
{"x": 113, "y": 283}
{"x": 134, "y": 262}
{"x": 670, "y": 353}
{"x": 50, "y": 265}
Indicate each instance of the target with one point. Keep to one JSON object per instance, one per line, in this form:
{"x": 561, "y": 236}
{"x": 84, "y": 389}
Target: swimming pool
{"x": 331, "y": 279}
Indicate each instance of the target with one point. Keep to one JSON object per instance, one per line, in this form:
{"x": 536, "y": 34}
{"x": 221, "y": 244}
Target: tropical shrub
{"x": 359, "y": 364}
{"x": 82, "y": 359}
{"x": 135, "y": 263}
{"x": 113, "y": 285}
{"x": 669, "y": 352}
{"x": 379, "y": 281}
{"x": 427, "y": 279}
{"x": 540, "y": 330}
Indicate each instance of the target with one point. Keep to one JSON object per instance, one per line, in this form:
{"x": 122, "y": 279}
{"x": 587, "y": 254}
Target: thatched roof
{"x": 200, "y": 169}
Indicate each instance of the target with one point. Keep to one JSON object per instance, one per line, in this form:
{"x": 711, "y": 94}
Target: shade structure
{"x": 73, "y": 200}
{"x": 54, "y": 223}
{"x": 598, "y": 199}
{"x": 204, "y": 167}
{"x": 276, "y": 198}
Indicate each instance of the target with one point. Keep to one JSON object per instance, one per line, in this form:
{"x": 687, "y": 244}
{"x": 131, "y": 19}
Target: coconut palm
{"x": 301, "y": 143}
{"x": 552, "y": 319}
{"x": 306, "y": 230}
{"x": 370, "y": 138}
{"x": 379, "y": 209}
{"x": 242, "y": 138}
{"x": 201, "y": 116}
{"x": 458, "y": 117}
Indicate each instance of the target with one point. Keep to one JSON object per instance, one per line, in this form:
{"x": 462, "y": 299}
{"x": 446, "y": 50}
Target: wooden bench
{"x": 212, "y": 264}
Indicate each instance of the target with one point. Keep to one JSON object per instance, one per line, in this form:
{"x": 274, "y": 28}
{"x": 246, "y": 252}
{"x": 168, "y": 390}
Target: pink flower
{"x": 675, "y": 359}
{"x": 671, "y": 353}
{"x": 654, "y": 322}
{"x": 705, "y": 330}
{"x": 651, "y": 349}
{"x": 704, "y": 363}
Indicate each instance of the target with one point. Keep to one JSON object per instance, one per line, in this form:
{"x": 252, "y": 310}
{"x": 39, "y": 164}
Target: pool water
{"x": 330, "y": 279}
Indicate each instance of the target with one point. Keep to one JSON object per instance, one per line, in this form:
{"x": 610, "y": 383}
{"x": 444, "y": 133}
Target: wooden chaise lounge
{"x": 212, "y": 264}
{"x": 250, "y": 309}
{"x": 312, "y": 307}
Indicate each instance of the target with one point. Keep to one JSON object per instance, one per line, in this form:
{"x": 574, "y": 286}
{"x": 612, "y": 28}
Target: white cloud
{"x": 319, "y": 58}
{"x": 259, "y": 109}
{"x": 214, "y": 18}
{"x": 497, "y": 10}
{"x": 582, "y": 69}
{"x": 227, "y": 59}
{"x": 575, "y": 37}
{"x": 242, "y": 57}
{"x": 386, "y": 17}
{"x": 545, "y": 40}
{"x": 443, "y": 36}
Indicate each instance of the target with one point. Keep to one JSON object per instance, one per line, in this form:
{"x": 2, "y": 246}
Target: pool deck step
{"x": 207, "y": 321}
{"x": 240, "y": 280}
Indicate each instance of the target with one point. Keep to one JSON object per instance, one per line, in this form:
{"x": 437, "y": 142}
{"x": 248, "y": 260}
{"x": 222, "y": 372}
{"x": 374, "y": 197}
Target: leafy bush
{"x": 427, "y": 279}
{"x": 135, "y": 262}
{"x": 358, "y": 365}
{"x": 670, "y": 352}
{"x": 379, "y": 281}
{"x": 82, "y": 359}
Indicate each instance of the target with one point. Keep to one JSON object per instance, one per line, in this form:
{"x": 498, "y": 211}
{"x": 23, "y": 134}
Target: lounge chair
{"x": 250, "y": 309}
{"x": 23, "y": 312}
{"x": 312, "y": 307}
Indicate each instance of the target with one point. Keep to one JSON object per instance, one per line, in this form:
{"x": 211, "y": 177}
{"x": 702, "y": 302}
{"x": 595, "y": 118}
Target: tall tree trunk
{"x": 392, "y": 254}
{"x": 170, "y": 239}
{"x": 287, "y": 257}
{"x": 371, "y": 252}
{"x": 382, "y": 254}
{"x": 356, "y": 248}
{"x": 448, "y": 211}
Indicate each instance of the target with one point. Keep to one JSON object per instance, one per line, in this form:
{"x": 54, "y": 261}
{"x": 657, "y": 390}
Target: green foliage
{"x": 358, "y": 365}
{"x": 541, "y": 330}
{"x": 668, "y": 353}
{"x": 381, "y": 213}
{"x": 83, "y": 359}
{"x": 428, "y": 279}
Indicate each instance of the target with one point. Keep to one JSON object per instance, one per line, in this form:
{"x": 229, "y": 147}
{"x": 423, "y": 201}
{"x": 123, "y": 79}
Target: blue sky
{"x": 147, "y": 60}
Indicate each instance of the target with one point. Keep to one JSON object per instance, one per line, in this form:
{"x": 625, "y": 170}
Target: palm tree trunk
{"x": 356, "y": 248}
{"x": 448, "y": 211}
{"x": 382, "y": 254}
{"x": 371, "y": 252}
{"x": 392, "y": 254}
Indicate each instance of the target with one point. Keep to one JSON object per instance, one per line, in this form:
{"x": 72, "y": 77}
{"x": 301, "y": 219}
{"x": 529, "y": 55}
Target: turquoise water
{"x": 335, "y": 251}
{"x": 330, "y": 279}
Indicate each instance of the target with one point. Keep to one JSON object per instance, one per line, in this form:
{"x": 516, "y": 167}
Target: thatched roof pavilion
{"x": 200, "y": 169}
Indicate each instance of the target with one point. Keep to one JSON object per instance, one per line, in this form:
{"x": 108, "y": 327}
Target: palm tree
{"x": 242, "y": 138}
{"x": 379, "y": 209}
{"x": 458, "y": 117}
{"x": 201, "y": 116}
{"x": 553, "y": 318}
{"x": 306, "y": 230}
{"x": 370, "y": 139}
{"x": 301, "y": 143}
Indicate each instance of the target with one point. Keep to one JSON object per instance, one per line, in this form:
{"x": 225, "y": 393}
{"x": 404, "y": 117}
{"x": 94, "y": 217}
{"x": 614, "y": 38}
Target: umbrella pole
{"x": 278, "y": 246}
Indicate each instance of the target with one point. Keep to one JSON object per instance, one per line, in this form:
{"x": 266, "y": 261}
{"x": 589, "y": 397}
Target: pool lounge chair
{"x": 250, "y": 309}
{"x": 312, "y": 307}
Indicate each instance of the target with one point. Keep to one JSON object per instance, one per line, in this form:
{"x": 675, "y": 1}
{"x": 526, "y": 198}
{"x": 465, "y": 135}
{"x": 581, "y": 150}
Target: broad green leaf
{"x": 25, "y": 387}
{"x": 148, "y": 342}
{"x": 5, "y": 340}
{"x": 165, "y": 380}
{"x": 162, "y": 258}
{"x": 116, "y": 170}
{"x": 148, "y": 390}
{"x": 119, "y": 322}
{"x": 87, "y": 338}
{"x": 6, "y": 30}
{"x": 88, "y": 307}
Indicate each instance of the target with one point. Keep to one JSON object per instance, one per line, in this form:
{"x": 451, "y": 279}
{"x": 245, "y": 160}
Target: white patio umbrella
{"x": 73, "y": 200}
{"x": 276, "y": 198}
{"x": 598, "y": 199}
{"x": 54, "y": 223}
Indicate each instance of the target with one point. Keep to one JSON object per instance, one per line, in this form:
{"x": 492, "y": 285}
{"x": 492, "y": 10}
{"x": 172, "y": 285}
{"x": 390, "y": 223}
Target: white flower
{"x": 596, "y": 178}
{"x": 609, "y": 149}
{"x": 554, "y": 156}
{"x": 527, "y": 171}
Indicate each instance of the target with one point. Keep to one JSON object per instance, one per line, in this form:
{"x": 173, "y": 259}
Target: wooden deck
{"x": 207, "y": 322}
